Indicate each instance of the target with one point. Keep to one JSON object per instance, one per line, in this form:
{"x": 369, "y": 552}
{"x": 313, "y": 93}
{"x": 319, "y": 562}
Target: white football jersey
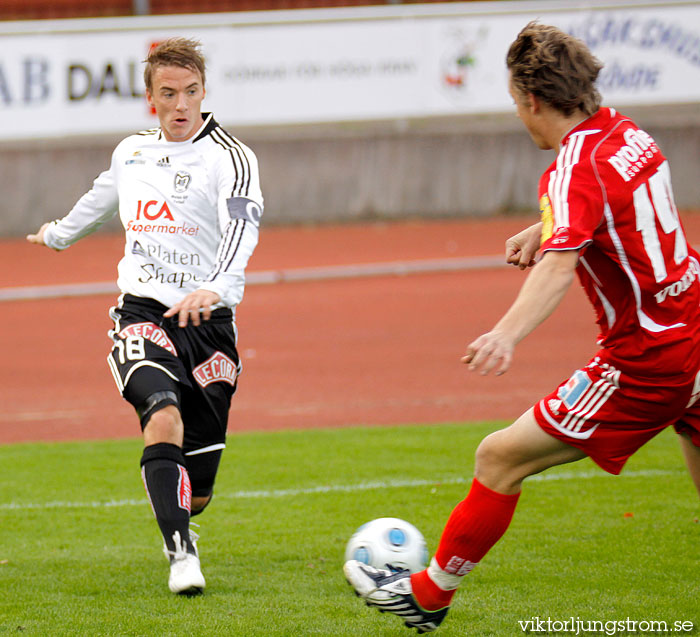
{"x": 191, "y": 212}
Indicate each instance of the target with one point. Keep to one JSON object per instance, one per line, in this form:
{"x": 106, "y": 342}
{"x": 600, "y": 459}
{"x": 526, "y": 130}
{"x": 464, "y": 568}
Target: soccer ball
{"x": 388, "y": 543}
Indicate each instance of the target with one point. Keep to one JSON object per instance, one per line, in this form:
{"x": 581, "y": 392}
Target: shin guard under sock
{"x": 168, "y": 487}
{"x": 475, "y": 525}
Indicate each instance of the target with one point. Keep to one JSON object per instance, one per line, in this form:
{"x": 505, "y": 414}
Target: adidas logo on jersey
{"x": 554, "y": 405}
{"x": 164, "y": 162}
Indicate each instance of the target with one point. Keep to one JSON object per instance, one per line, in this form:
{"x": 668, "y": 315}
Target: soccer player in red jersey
{"x": 608, "y": 217}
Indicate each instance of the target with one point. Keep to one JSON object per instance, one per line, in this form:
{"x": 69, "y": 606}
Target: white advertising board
{"x": 84, "y": 77}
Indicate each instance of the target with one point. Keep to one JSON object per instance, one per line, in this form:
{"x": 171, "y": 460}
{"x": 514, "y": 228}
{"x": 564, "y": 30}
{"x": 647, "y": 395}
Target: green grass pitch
{"x": 80, "y": 553}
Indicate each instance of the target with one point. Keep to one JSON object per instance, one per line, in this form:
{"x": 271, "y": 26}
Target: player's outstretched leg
{"x": 391, "y": 592}
{"x": 423, "y": 599}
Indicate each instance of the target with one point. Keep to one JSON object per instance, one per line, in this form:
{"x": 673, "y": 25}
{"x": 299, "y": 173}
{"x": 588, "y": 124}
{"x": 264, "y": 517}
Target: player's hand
{"x": 38, "y": 238}
{"x": 195, "y": 307}
{"x": 522, "y": 248}
{"x": 493, "y": 350}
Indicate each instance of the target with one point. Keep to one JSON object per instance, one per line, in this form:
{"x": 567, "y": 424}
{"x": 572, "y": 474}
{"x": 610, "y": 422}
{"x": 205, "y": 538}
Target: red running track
{"x": 371, "y": 351}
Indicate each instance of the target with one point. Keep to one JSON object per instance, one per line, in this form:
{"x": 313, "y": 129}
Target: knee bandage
{"x": 153, "y": 403}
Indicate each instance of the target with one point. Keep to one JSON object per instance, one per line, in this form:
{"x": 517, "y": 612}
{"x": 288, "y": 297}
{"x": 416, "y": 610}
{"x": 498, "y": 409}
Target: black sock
{"x": 168, "y": 487}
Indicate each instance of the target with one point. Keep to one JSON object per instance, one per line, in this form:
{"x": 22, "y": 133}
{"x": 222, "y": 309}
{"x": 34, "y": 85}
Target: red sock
{"x": 476, "y": 524}
{"x": 428, "y": 594}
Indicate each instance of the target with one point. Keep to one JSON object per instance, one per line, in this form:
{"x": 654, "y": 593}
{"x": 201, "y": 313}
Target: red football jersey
{"x": 608, "y": 194}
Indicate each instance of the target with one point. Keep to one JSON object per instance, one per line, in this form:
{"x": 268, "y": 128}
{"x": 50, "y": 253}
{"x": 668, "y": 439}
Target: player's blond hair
{"x": 181, "y": 52}
{"x": 556, "y": 67}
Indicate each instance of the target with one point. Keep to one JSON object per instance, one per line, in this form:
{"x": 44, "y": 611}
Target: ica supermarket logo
{"x": 152, "y": 210}
{"x": 153, "y": 216}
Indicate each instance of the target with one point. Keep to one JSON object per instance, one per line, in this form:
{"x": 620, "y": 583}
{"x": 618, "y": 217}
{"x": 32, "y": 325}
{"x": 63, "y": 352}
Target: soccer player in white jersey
{"x": 608, "y": 216}
{"x": 188, "y": 195}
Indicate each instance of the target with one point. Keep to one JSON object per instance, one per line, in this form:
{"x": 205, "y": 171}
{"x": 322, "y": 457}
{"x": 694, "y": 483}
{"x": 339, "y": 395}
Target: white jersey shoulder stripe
{"x": 560, "y": 179}
{"x": 239, "y": 158}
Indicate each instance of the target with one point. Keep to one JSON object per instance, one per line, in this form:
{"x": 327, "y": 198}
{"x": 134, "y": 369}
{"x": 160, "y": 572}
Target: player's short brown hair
{"x": 181, "y": 52}
{"x": 556, "y": 67}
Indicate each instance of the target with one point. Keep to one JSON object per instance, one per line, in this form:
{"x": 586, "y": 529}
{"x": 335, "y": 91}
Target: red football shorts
{"x": 609, "y": 415}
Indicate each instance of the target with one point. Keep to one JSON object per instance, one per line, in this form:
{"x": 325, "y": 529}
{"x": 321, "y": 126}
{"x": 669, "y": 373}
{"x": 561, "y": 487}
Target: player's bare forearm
{"x": 522, "y": 247}
{"x": 541, "y": 293}
{"x": 196, "y": 306}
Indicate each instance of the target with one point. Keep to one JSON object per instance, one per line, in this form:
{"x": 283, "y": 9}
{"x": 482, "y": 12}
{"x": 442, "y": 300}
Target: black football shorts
{"x": 196, "y": 365}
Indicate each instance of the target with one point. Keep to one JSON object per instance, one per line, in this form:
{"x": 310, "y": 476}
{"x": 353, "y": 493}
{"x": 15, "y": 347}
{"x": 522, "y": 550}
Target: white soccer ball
{"x": 388, "y": 543}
